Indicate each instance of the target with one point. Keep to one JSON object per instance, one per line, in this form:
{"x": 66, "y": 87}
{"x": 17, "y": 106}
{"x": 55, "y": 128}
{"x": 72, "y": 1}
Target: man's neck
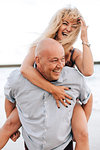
{"x": 42, "y": 74}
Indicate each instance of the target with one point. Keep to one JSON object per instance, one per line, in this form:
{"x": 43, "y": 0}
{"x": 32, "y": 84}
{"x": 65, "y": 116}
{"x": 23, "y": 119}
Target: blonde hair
{"x": 56, "y": 22}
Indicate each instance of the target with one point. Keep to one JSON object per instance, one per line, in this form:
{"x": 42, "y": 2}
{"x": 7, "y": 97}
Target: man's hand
{"x": 15, "y": 136}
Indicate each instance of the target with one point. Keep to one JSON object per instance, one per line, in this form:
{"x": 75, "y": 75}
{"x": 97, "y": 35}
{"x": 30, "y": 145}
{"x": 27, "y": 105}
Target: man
{"x": 44, "y": 126}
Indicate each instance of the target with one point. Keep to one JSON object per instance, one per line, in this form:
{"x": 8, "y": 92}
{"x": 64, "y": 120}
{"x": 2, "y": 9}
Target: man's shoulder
{"x": 15, "y": 73}
{"x": 14, "y": 77}
{"x": 16, "y": 80}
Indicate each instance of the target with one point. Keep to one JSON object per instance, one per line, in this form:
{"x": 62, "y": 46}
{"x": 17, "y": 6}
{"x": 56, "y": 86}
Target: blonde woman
{"x": 63, "y": 27}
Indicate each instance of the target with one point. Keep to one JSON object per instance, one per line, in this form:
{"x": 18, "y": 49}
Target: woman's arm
{"x": 12, "y": 123}
{"x": 29, "y": 72}
{"x": 84, "y": 60}
{"x": 88, "y": 107}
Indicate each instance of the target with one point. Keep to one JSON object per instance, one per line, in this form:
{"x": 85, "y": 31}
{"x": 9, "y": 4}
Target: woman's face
{"x": 66, "y": 27}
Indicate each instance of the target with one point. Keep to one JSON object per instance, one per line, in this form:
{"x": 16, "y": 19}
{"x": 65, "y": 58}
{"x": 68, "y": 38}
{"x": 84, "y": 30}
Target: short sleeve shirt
{"x": 44, "y": 126}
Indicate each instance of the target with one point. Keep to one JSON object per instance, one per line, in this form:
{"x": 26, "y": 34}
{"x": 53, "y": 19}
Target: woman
{"x": 63, "y": 27}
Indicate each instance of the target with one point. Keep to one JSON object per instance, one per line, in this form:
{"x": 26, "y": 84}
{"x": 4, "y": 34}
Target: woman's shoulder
{"x": 76, "y": 53}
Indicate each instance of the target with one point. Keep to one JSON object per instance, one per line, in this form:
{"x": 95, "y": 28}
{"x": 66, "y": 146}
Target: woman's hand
{"x": 83, "y": 30}
{"x": 60, "y": 95}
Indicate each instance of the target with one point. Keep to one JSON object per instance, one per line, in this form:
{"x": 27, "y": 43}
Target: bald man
{"x": 44, "y": 126}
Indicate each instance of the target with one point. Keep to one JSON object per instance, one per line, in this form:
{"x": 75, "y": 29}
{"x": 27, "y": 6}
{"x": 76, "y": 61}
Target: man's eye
{"x": 63, "y": 59}
{"x": 54, "y": 60}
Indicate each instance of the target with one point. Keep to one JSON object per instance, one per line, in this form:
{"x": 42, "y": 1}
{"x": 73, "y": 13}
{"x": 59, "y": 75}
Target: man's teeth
{"x": 56, "y": 71}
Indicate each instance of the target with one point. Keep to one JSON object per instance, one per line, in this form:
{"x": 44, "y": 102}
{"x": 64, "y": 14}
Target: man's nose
{"x": 60, "y": 64}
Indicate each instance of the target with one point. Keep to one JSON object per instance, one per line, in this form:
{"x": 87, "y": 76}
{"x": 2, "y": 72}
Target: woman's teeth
{"x": 65, "y": 34}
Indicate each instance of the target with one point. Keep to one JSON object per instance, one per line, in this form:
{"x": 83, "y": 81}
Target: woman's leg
{"x": 11, "y": 125}
{"x": 79, "y": 128}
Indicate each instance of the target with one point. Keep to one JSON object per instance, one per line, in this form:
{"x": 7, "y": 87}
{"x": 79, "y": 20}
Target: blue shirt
{"x": 44, "y": 126}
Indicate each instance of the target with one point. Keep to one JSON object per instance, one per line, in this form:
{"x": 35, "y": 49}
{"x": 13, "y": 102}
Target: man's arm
{"x": 88, "y": 107}
{"x": 9, "y": 106}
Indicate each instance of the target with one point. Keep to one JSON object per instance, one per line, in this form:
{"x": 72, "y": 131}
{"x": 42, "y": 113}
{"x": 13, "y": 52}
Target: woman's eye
{"x": 74, "y": 26}
{"x": 65, "y": 23}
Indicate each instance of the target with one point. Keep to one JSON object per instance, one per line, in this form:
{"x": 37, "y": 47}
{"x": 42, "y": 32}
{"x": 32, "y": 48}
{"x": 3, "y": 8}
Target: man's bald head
{"x": 47, "y": 45}
{"x": 50, "y": 58}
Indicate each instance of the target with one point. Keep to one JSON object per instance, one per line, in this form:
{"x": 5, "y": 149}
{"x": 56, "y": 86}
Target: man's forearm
{"x": 9, "y": 107}
{"x": 88, "y": 107}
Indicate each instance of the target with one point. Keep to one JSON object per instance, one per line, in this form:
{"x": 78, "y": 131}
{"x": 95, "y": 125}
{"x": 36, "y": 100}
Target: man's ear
{"x": 37, "y": 60}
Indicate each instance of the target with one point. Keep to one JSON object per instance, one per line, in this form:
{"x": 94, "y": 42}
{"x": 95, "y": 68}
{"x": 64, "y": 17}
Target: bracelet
{"x": 86, "y": 43}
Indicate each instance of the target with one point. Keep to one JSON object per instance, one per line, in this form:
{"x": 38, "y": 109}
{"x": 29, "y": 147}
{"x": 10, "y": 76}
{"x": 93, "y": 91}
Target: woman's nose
{"x": 69, "y": 28}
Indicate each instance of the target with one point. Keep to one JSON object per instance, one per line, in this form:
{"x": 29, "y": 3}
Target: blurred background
{"x": 22, "y": 21}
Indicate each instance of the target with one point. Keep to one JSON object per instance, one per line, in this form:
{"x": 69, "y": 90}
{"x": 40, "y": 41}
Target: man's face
{"x": 51, "y": 63}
